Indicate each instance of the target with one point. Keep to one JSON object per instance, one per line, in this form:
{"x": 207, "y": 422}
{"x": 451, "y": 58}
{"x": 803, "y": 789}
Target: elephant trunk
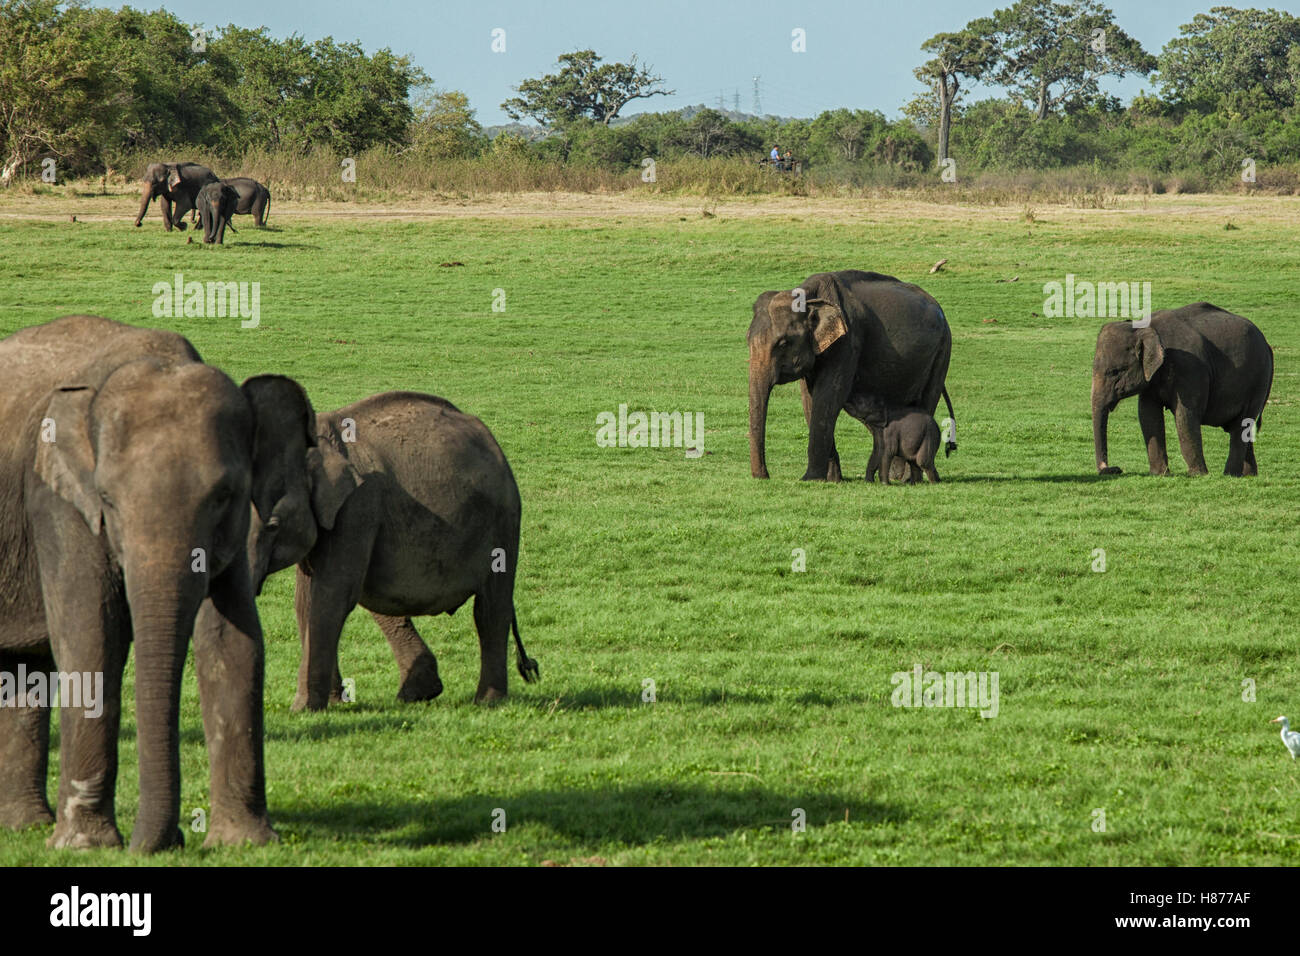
{"x": 163, "y": 610}
{"x": 1100, "y": 419}
{"x": 146, "y": 196}
{"x": 761, "y": 381}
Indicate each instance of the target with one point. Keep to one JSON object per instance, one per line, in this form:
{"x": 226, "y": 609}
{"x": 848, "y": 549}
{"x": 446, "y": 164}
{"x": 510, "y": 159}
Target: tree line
{"x": 89, "y": 86}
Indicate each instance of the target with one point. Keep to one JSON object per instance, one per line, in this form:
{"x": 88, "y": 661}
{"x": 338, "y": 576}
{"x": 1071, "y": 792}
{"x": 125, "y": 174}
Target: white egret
{"x": 1289, "y": 737}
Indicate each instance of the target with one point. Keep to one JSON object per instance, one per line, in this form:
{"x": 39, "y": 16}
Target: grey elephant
{"x": 123, "y": 514}
{"x": 173, "y": 185}
{"x": 406, "y": 506}
{"x": 254, "y": 198}
{"x": 217, "y": 203}
{"x": 839, "y": 333}
{"x": 910, "y": 434}
{"x": 1206, "y": 365}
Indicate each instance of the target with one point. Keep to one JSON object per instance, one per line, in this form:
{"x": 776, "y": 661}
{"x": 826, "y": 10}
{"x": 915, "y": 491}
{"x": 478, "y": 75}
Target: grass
{"x": 1119, "y": 691}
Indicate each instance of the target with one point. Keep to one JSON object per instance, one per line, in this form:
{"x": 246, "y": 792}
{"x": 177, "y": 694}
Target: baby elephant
{"x": 401, "y": 503}
{"x": 254, "y": 198}
{"x": 907, "y": 433}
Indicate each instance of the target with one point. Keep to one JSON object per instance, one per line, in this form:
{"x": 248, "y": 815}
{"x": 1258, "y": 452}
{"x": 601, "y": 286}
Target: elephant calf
{"x": 898, "y": 432}
{"x": 254, "y": 198}
{"x": 405, "y": 506}
{"x": 1206, "y": 365}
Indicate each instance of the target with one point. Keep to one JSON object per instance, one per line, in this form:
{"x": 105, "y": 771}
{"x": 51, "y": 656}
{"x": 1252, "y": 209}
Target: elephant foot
{"x": 181, "y": 226}
{"x": 1110, "y": 470}
{"x": 155, "y": 841}
{"x": 422, "y": 682}
{"x": 21, "y": 814}
{"x": 489, "y": 696}
{"x": 86, "y": 832}
{"x": 229, "y": 831}
{"x": 303, "y": 701}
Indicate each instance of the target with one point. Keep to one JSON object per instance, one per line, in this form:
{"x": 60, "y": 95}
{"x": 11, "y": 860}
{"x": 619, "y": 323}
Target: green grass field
{"x": 1119, "y": 691}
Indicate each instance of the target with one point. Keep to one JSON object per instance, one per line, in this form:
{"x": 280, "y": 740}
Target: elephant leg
{"x": 88, "y": 639}
{"x": 322, "y": 606}
{"x": 913, "y": 473}
{"x": 1249, "y": 468}
{"x": 886, "y": 460}
{"x": 931, "y": 472}
{"x": 1151, "y": 418}
{"x": 833, "y": 462}
{"x": 1188, "y": 424}
{"x": 415, "y": 662}
{"x": 24, "y": 750}
{"x": 493, "y": 612}
{"x": 229, "y": 662}
{"x": 165, "y": 204}
{"x": 184, "y": 204}
{"x": 1236, "y": 453}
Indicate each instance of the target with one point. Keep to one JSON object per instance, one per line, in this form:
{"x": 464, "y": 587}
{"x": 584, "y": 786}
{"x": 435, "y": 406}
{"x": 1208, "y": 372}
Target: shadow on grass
{"x": 621, "y": 697}
{"x": 636, "y": 815}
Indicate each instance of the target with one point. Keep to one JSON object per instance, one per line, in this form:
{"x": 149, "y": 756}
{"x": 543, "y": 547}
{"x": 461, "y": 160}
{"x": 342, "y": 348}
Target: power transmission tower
{"x": 758, "y": 107}
{"x": 735, "y": 102}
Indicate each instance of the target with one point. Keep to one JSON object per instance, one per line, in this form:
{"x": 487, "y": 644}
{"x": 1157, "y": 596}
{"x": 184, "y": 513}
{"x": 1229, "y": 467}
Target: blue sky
{"x": 860, "y": 53}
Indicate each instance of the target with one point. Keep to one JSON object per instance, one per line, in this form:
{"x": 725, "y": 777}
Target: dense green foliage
{"x": 92, "y": 87}
{"x": 1119, "y": 691}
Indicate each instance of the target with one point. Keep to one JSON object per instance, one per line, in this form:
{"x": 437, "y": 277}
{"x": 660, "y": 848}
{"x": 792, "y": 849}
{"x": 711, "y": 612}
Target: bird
{"x": 1289, "y": 737}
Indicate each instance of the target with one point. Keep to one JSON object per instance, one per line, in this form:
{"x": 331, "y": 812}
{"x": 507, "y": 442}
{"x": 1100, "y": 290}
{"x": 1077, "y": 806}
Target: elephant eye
{"x": 108, "y": 502}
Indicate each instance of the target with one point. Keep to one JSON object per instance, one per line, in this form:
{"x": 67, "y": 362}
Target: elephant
{"x": 839, "y": 333}
{"x": 907, "y": 433}
{"x": 1206, "y": 365}
{"x": 124, "y": 508}
{"x": 217, "y": 202}
{"x": 177, "y": 183}
{"x": 254, "y": 198}
{"x": 406, "y": 506}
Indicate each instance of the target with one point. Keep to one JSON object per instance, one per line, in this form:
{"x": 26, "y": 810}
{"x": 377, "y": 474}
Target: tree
{"x": 1233, "y": 54}
{"x": 583, "y": 89}
{"x": 59, "y": 91}
{"x": 967, "y": 54}
{"x": 444, "y": 126}
{"x": 1052, "y": 53}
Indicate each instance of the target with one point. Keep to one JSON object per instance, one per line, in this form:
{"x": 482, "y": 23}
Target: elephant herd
{"x": 146, "y": 499}
{"x": 878, "y": 349}
{"x": 189, "y": 187}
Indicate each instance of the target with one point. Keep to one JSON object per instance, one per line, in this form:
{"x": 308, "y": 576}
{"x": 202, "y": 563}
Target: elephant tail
{"x": 266, "y": 210}
{"x": 528, "y": 668}
{"x": 951, "y": 445}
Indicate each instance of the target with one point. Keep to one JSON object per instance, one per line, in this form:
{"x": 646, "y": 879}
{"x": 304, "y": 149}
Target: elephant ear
{"x": 65, "y": 457}
{"x": 828, "y": 325}
{"x": 1151, "y": 351}
{"x": 333, "y": 478}
{"x": 173, "y": 177}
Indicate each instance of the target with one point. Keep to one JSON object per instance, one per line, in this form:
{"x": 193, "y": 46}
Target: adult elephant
{"x": 217, "y": 203}
{"x": 173, "y": 183}
{"x": 1206, "y": 365}
{"x": 406, "y": 506}
{"x": 123, "y": 513}
{"x": 839, "y": 333}
{"x": 253, "y": 198}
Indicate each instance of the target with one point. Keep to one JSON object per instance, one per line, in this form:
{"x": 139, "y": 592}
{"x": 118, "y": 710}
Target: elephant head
{"x": 300, "y": 479}
{"x": 157, "y": 461}
{"x": 788, "y": 333}
{"x": 158, "y": 180}
{"x": 217, "y": 203}
{"x": 1126, "y": 360}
